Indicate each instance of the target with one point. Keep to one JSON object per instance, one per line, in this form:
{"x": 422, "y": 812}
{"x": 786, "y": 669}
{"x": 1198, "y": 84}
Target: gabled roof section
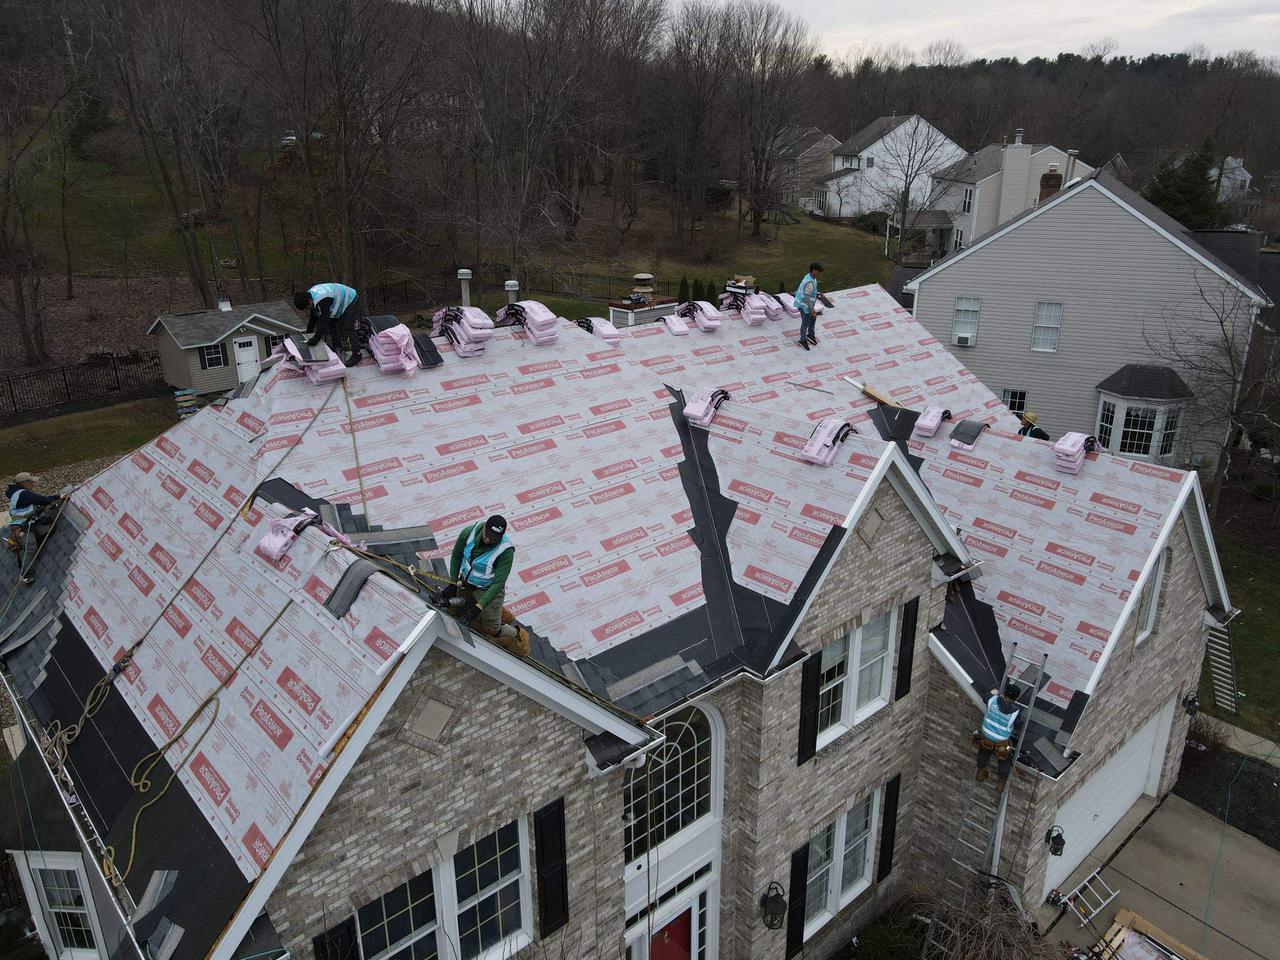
{"x": 985, "y": 162}
{"x": 1131, "y": 201}
{"x": 797, "y": 140}
{"x": 872, "y": 133}
{"x": 201, "y": 328}
{"x": 1145, "y": 381}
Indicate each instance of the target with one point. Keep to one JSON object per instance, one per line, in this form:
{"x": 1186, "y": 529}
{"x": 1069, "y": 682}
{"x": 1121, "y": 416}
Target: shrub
{"x": 698, "y": 290}
{"x": 1206, "y": 737}
{"x": 684, "y": 290}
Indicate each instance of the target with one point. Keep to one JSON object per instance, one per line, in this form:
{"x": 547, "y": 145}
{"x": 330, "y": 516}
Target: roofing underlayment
{"x": 652, "y": 556}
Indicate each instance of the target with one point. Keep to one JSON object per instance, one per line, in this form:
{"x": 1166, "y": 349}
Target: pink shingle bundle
{"x": 468, "y": 329}
{"x": 1069, "y": 452}
{"x": 676, "y": 325}
{"x": 602, "y": 328}
{"x": 393, "y": 349}
{"x": 320, "y": 364}
{"x": 789, "y": 304}
{"x": 773, "y": 308}
{"x": 755, "y": 310}
{"x": 539, "y": 322}
{"x": 821, "y": 446}
{"x": 703, "y": 313}
{"x": 702, "y": 406}
{"x": 929, "y": 421}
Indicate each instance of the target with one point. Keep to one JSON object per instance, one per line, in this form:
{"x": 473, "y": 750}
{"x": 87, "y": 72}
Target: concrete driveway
{"x": 1163, "y": 873}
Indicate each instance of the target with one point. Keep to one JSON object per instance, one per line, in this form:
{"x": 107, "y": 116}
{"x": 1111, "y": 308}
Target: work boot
{"x": 352, "y": 360}
{"x": 982, "y": 774}
{"x": 1000, "y": 784}
{"x": 813, "y": 339}
{"x": 804, "y": 343}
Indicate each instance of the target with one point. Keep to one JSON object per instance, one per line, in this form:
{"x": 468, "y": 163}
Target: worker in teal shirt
{"x": 807, "y": 304}
{"x": 478, "y": 568}
{"x": 996, "y": 736}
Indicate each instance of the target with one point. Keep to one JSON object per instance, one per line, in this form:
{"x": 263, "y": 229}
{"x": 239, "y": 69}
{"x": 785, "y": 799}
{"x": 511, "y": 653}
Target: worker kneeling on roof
{"x": 479, "y": 567}
{"x": 28, "y": 523}
{"x": 996, "y": 735}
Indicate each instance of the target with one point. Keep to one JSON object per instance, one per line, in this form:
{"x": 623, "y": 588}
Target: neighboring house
{"x": 1000, "y": 181}
{"x": 870, "y": 168}
{"x": 743, "y": 729}
{"x": 1233, "y": 180}
{"x": 210, "y": 351}
{"x": 1271, "y": 188}
{"x": 1056, "y": 307}
{"x": 804, "y": 157}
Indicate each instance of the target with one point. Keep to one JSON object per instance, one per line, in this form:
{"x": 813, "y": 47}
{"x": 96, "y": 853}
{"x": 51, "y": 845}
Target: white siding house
{"x": 1087, "y": 311}
{"x": 869, "y": 168}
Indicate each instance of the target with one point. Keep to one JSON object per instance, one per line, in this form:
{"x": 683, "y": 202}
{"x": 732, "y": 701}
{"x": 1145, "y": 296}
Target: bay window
{"x": 1140, "y": 429}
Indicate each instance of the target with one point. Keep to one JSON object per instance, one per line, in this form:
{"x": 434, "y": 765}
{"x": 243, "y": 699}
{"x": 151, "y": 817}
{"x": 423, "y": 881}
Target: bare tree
{"x": 1209, "y": 342}
{"x": 907, "y": 160}
{"x": 984, "y": 925}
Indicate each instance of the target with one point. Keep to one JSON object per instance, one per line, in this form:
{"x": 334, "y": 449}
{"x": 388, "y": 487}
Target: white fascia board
{"x": 558, "y": 696}
{"x": 1183, "y": 246}
{"x": 914, "y": 284}
{"x": 248, "y": 322}
{"x": 957, "y": 672}
{"x": 855, "y": 513}
{"x": 1196, "y": 512}
{"x": 1153, "y": 559}
{"x": 427, "y": 633}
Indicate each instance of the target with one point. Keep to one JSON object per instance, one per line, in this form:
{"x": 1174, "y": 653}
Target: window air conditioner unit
{"x": 963, "y": 340}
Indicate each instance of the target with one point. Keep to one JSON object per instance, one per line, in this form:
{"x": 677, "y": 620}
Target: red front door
{"x": 675, "y": 940}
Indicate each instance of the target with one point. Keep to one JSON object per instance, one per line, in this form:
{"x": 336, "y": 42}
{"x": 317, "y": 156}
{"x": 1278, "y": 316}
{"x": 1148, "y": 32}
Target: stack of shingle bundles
{"x": 773, "y": 308}
{"x": 468, "y": 329}
{"x": 929, "y": 421}
{"x": 734, "y": 297}
{"x": 826, "y": 437}
{"x": 676, "y": 325}
{"x": 393, "y": 348}
{"x": 319, "y": 363}
{"x": 702, "y": 406}
{"x": 755, "y": 309}
{"x": 1069, "y": 452}
{"x": 789, "y": 304}
{"x": 702, "y": 313}
{"x": 602, "y": 328}
{"x": 540, "y": 324}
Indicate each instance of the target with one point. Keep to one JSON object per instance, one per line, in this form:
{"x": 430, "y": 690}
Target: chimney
{"x": 1016, "y": 187}
{"x": 644, "y": 284}
{"x": 1050, "y": 183}
{"x": 1017, "y": 135}
{"x": 1071, "y": 164}
{"x": 464, "y": 277}
{"x": 512, "y": 287}
{"x": 224, "y": 305}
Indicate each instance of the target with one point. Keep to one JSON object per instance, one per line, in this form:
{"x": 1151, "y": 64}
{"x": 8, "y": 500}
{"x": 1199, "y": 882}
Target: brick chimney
{"x": 1050, "y": 183}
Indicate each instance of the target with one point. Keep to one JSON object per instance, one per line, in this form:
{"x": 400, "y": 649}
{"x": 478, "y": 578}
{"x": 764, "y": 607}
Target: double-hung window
{"x": 1106, "y": 423}
{"x": 1142, "y": 429}
{"x": 1015, "y": 400}
{"x": 479, "y": 902}
{"x": 1048, "y": 324}
{"x": 213, "y": 355}
{"x": 958, "y": 241}
{"x": 840, "y": 862}
{"x": 964, "y": 322}
{"x": 57, "y": 890}
{"x": 853, "y": 680}
{"x": 1169, "y": 435}
{"x": 1138, "y": 431}
{"x": 967, "y": 204}
{"x": 274, "y": 340}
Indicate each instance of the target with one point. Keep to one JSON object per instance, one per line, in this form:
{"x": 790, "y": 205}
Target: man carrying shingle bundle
{"x": 333, "y": 311}
{"x": 996, "y": 735}
{"x": 479, "y": 568}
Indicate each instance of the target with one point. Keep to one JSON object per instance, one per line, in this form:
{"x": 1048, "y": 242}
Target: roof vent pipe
{"x": 224, "y": 305}
{"x": 1017, "y": 135}
{"x": 512, "y": 287}
{"x": 464, "y": 277}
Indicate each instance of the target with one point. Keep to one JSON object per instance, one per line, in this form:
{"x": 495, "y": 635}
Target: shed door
{"x": 247, "y": 363}
{"x": 1091, "y": 812}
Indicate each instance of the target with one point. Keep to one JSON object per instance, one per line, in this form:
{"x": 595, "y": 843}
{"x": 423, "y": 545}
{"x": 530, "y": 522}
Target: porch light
{"x": 773, "y": 906}
{"x": 1056, "y": 840}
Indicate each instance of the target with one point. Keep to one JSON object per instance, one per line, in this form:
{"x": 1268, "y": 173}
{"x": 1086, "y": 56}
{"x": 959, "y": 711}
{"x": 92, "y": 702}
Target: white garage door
{"x": 1091, "y": 812}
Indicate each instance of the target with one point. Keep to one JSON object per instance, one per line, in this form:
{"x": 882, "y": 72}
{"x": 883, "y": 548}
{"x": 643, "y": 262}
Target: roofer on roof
{"x": 479, "y": 567}
{"x": 1029, "y": 428}
{"x": 28, "y": 524}
{"x": 334, "y": 310}
{"x": 996, "y": 735}
{"x": 807, "y": 303}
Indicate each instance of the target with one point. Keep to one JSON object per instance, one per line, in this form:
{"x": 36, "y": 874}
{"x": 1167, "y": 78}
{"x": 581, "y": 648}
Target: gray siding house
{"x": 210, "y": 351}
{"x": 1100, "y": 314}
{"x": 803, "y": 159}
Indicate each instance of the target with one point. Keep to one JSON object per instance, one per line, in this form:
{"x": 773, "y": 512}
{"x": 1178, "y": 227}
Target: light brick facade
{"x": 408, "y": 803}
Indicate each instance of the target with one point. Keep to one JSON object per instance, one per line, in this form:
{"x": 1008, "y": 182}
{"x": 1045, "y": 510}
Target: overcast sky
{"x": 1000, "y": 28}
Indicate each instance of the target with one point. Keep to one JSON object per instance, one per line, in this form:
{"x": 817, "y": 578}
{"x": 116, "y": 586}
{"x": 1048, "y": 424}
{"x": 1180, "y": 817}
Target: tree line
{"x": 347, "y": 137}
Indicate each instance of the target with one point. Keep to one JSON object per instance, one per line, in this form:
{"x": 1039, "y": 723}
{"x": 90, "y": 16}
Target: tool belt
{"x": 1002, "y": 748}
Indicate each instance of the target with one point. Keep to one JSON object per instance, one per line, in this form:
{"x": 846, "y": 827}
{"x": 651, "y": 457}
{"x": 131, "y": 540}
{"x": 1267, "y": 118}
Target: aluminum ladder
{"x": 1222, "y": 668}
{"x": 1090, "y": 897}
{"x": 981, "y": 823}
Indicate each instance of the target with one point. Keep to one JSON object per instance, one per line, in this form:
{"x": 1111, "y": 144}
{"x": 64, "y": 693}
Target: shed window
{"x": 213, "y": 355}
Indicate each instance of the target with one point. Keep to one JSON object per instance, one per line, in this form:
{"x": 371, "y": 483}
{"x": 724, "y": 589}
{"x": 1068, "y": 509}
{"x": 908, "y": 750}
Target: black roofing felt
{"x": 1146, "y": 382}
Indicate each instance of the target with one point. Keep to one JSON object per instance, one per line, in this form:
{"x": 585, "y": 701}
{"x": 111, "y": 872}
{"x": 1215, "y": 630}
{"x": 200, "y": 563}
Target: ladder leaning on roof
{"x": 1222, "y": 667}
{"x": 984, "y": 822}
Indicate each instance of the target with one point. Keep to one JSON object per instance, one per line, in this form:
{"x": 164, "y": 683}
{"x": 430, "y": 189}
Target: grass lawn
{"x": 58, "y": 441}
{"x": 1253, "y": 579}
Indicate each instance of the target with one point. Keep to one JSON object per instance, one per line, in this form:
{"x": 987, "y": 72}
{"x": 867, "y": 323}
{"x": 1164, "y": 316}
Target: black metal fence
{"x": 78, "y": 381}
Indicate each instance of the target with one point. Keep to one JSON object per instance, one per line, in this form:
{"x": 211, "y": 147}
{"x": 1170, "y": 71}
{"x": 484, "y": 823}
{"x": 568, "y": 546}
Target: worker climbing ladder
{"x": 974, "y": 855}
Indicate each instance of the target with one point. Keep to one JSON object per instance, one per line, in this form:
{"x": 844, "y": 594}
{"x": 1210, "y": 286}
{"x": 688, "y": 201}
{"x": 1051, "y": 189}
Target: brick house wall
{"x": 501, "y": 757}
{"x": 1137, "y": 682}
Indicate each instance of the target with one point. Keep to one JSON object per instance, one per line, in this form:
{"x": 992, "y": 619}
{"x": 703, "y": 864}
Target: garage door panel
{"x": 1089, "y": 814}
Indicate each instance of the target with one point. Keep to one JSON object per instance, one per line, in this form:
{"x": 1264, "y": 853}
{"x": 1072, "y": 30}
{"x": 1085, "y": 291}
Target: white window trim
{"x": 636, "y": 937}
{"x": 1162, "y": 408}
{"x": 210, "y": 353}
{"x": 850, "y": 716}
{"x": 834, "y": 878}
{"x": 444, "y": 882}
{"x": 977, "y": 319}
{"x": 1155, "y": 584}
{"x": 1037, "y": 325}
{"x": 28, "y": 861}
{"x": 957, "y": 242}
{"x": 1006, "y": 397}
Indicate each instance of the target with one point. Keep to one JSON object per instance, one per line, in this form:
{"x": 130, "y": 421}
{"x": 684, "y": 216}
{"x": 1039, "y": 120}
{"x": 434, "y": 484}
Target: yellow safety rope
{"x": 355, "y": 449}
{"x": 142, "y": 782}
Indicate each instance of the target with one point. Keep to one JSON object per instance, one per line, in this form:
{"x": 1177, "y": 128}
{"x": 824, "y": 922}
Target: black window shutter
{"x": 907, "y": 646}
{"x": 809, "y": 708}
{"x": 223, "y": 348}
{"x": 795, "y": 902}
{"x": 888, "y": 826}
{"x": 204, "y": 364}
{"x": 553, "y": 873}
{"x": 338, "y": 942}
